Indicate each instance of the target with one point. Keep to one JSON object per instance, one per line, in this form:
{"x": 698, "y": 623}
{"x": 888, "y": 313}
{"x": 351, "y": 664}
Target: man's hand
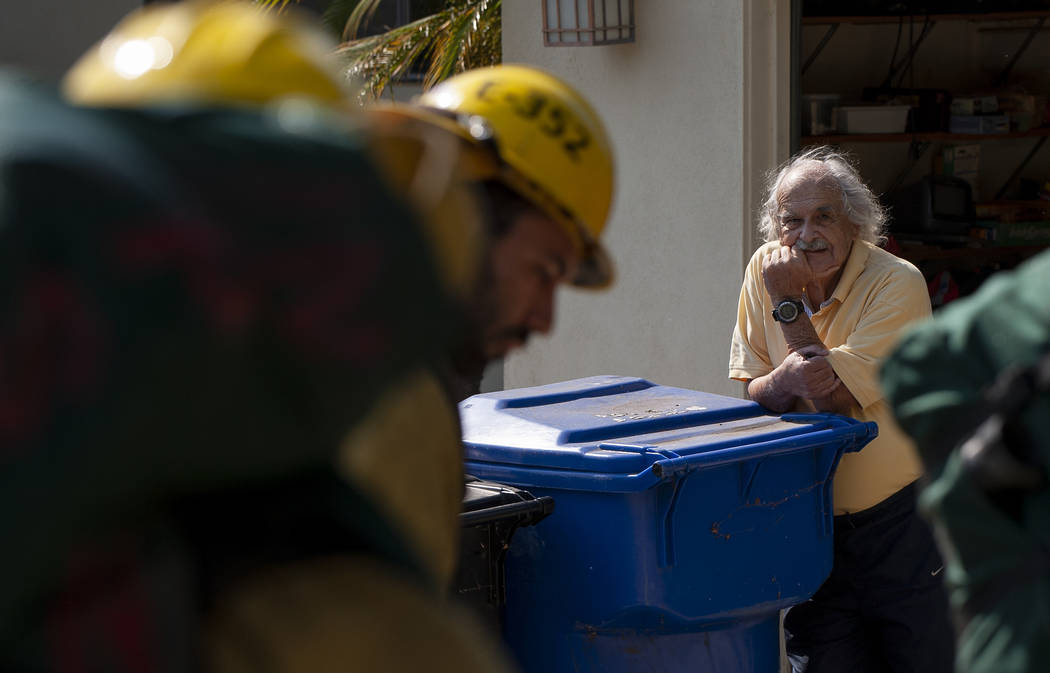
{"x": 785, "y": 273}
{"x": 807, "y": 373}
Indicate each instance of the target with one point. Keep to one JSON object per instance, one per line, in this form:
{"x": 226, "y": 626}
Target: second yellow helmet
{"x": 553, "y": 145}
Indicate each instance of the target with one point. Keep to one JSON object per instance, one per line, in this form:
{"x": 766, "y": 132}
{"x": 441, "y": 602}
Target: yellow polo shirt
{"x": 877, "y": 295}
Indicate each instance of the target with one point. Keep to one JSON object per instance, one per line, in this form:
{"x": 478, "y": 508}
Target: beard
{"x": 467, "y": 359}
{"x": 479, "y": 340}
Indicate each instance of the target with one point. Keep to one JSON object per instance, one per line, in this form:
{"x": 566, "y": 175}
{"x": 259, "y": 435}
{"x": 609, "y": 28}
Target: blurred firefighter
{"x": 223, "y": 281}
{"x": 540, "y": 159}
{"x": 972, "y": 387}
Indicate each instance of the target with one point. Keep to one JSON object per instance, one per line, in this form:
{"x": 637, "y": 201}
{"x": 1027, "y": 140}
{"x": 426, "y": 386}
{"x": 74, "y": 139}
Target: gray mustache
{"x": 815, "y": 246}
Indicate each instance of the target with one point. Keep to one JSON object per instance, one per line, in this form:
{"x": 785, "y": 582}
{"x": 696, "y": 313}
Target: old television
{"x": 936, "y": 204}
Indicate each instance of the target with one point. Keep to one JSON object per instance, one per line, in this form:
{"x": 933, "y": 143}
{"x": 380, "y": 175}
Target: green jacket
{"x": 997, "y": 544}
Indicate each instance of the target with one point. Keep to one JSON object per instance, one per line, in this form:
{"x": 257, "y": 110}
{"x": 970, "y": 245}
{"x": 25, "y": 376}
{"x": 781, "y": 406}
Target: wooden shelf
{"x": 981, "y": 255}
{"x": 1026, "y": 203}
{"x": 938, "y": 137}
{"x": 918, "y": 18}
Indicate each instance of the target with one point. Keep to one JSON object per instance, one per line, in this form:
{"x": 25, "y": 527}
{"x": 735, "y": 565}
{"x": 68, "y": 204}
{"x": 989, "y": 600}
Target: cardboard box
{"x": 1021, "y": 109}
{"x": 974, "y": 105}
{"x": 1015, "y": 233}
{"x": 873, "y": 118}
{"x": 979, "y": 124}
{"x": 1014, "y": 211}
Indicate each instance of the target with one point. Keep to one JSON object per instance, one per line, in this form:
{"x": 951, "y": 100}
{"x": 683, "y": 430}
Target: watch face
{"x": 787, "y": 311}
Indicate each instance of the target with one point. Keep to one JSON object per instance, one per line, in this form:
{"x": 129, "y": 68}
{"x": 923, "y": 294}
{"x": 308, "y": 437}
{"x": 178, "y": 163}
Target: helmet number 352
{"x": 553, "y": 120}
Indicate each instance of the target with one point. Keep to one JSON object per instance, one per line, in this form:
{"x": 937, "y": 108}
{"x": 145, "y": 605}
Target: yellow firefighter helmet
{"x": 208, "y": 51}
{"x": 552, "y": 146}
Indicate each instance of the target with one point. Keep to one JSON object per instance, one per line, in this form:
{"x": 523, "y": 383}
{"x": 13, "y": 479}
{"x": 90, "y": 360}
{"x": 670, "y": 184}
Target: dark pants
{"x": 884, "y": 607}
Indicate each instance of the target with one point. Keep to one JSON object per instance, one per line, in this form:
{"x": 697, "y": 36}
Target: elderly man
{"x": 820, "y": 306}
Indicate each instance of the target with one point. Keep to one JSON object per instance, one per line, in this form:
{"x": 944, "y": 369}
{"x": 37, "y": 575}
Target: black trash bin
{"x": 491, "y": 513}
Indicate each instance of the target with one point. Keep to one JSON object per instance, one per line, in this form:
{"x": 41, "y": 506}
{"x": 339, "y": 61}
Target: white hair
{"x": 860, "y": 205}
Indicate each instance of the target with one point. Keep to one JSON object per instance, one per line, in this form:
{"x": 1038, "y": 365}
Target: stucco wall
{"x": 45, "y": 37}
{"x": 672, "y": 102}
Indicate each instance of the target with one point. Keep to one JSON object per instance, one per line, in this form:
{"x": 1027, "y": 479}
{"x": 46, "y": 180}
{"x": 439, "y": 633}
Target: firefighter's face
{"x": 527, "y": 263}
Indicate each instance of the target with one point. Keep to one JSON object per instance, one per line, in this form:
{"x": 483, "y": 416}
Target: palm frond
{"x": 456, "y": 48}
{"x": 271, "y": 4}
{"x": 488, "y": 48}
{"x": 362, "y": 14}
{"x": 466, "y": 34}
{"x": 380, "y": 59}
{"x": 337, "y": 14}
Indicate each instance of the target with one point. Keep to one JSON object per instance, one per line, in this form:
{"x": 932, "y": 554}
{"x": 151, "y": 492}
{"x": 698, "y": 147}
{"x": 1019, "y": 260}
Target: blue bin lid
{"x": 619, "y": 425}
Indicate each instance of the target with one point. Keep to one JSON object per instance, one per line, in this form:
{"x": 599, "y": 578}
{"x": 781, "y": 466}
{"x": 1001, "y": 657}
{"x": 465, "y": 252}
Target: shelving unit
{"x": 920, "y": 142}
{"x": 968, "y": 265}
{"x": 940, "y": 137}
{"x": 928, "y": 22}
{"x": 824, "y": 54}
{"x": 968, "y": 256}
{"x": 982, "y": 17}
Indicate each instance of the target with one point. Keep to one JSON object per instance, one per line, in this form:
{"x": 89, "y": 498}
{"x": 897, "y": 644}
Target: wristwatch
{"x": 788, "y": 311}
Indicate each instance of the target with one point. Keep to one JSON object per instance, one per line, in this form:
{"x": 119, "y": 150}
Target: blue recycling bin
{"x": 684, "y": 522}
